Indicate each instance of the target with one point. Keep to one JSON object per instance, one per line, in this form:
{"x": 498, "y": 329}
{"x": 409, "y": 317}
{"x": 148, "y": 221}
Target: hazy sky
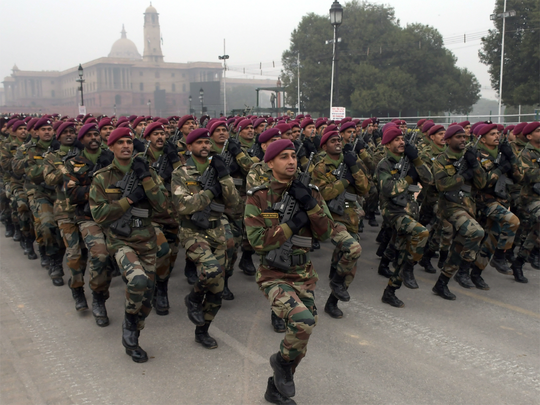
{"x": 59, "y": 34}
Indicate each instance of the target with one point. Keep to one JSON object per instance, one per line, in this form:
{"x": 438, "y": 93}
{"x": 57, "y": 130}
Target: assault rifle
{"x": 163, "y": 162}
{"x": 256, "y": 149}
{"x": 503, "y": 181}
{"x": 337, "y": 205}
{"x": 403, "y": 167}
{"x": 130, "y": 182}
{"x": 287, "y": 208}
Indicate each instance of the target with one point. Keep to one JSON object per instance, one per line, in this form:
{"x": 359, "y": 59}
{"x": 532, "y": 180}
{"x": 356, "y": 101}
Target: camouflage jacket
{"x": 428, "y": 156}
{"x": 266, "y": 233}
{"x": 107, "y": 205}
{"x": 395, "y": 197}
{"x": 259, "y": 174}
{"x": 530, "y": 163}
{"x": 330, "y": 187}
{"x": 53, "y": 173}
{"x": 7, "y": 153}
{"x": 456, "y": 193}
{"x": 29, "y": 159}
{"x": 517, "y": 146}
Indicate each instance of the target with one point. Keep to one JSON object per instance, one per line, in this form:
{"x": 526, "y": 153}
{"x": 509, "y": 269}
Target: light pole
{"x": 115, "y": 110}
{"x": 502, "y": 15}
{"x": 201, "y": 98}
{"x": 81, "y": 81}
{"x": 190, "y": 99}
{"x": 336, "y": 18}
{"x": 224, "y": 59}
{"x": 149, "y": 104}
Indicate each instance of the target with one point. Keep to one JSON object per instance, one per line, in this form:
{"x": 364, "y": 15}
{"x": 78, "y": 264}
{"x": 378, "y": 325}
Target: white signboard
{"x": 337, "y": 113}
{"x": 82, "y": 109}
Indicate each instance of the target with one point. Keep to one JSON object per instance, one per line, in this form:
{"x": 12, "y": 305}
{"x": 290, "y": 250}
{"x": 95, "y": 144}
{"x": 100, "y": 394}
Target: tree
{"x": 383, "y": 68}
{"x": 521, "y": 81}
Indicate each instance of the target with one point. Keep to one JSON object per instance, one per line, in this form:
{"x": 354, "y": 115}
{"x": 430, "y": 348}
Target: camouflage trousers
{"x": 371, "y": 202}
{"x": 75, "y": 258}
{"x": 532, "y": 239}
{"x": 346, "y": 253}
{"x": 295, "y": 304}
{"x": 99, "y": 261}
{"x": 48, "y": 229}
{"x": 441, "y": 233}
{"x": 525, "y": 225}
{"x": 207, "y": 249}
{"x": 5, "y": 208}
{"x": 233, "y": 235}
{"x": 468, "y": 235}
{"x": 139, "y": 272}
{"x": 22, "y": 208}
{"x": 163, "y": 254}
{"x": 165, "y": 264}
{"x": 410, "y": 239}
{"x": 35, "y": 219}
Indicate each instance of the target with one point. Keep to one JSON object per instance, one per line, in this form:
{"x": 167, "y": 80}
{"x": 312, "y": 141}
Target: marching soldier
{"x": 105, "y": 127}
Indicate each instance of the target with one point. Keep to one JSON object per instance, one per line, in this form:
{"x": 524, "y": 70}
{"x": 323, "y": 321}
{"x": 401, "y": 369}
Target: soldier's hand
{"x": 234, "y": 147}
{"x": 219, "y": 165}
{"x": 347, "y": 148}
{"x": 301, "y": 150}
{"x": 349, "y": 177}
{"x": 506, "y": 150}
{"x": 471, "y": 157}
{"x": 298, "y": 221}
{"x": 55, "y": 145}
{"x": 302, "y": 194}
{"x": 504, "y": 165}
{"x": 413, "y": 174}
{"x": 411, "y": 152}
{"x": 360, "y": 145}
{"x": 216, "y": 189}
{"x": 171, "y": 151}
{"x": 349, "y": 158}
{"x": 138, "y": 145}
{"x": 141, "y": 168}
{"x": 310, "y": 147}
{"x": 137, "y": 195}
{"x": 468, "y": 174}
{"x": 105, "y": 159}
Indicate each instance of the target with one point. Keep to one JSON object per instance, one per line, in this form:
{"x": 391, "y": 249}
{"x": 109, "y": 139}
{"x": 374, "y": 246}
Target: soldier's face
{"x": 397, "y": 146}
{"x": 510, "y": 136}
{"x": 333, "y": 146}
{"x": 105, "y": 132}
{"x": 534, "y": 138}
{"x": 259, "y": 129}
{"x": 403, "y": 127}
{"x": 200, "y": 148}
{"x": 220, "y": 135}
{"x": 310, "y": 131}
{"x": 265, "y": 145}
{"x": 295, "y": 133}
{"x": 322, "y": 128}
{"x": 45, "y": 133}
{"x": 91, "y": 140}
{"x": 21, "y": 132}
{"x": 467, "y": 130}
{"x": 437, "y": 138}
{"x": 369, "y": 129}
{"x": 78, "y": 125}
{"x": 247, "y": 133}
{"x": 122, "y": 149}
{"x": 68, "y": 136}
{"x": 491, "y": 139}
{"x": 348, "y": 135}
{"x": 157, "y": 139}
{"x": 139, "y": 129}
{"x": 284, "y": 165}
{"x": 457, "y": 142}
{"x": 188, "y": 127}
{"x": 287, "y": 135}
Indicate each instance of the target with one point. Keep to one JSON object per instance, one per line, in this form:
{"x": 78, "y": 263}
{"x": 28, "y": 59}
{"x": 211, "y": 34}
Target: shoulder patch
{"x": 253, "y": 190}
{"x": 270, "y": 215}
{"x": 113, "y": 190}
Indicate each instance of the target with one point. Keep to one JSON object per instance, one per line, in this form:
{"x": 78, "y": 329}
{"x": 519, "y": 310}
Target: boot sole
{"x": 275, "y": 365}
{"x": 333, "y": 316}
{"x": 392, "y": 305}
{"x": 136, "y": 360}
{"x": 81, "y": 309}
{"x": 443, "y": 297}
{"x": 186, "y": 301}
{"x": 162, "y": 312}
{"x": 205, "y": 346}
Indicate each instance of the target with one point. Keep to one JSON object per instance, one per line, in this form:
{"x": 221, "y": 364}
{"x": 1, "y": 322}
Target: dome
{"x": 124, "y": 48}
{"x": 151, "y": 9}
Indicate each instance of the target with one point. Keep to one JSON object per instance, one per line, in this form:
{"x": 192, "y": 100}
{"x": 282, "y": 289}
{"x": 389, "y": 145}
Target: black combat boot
{"x": 227, "y": 294}
{"x": 80, "y": 298}
{"x": 130, "y": 339}
{"x": 246, "y": 263}
{"x": 190, "y": 272}
{"x": 509, "y": 254}
{"x": 29, "y": 243}
{"x": 278, "y": 324}
{"x": 98, "y": 309}
{"x": 361, "y": 226}
{"x": 407, "y": 275}
{"x": 389, "y": 297}
{"x": 202, "y": 337}
{"x": 517, "y": 268}
{"x": 283, "y": 376}
{"x": 381, "y": 236}
{"x": 476, "y": 278}
{"x": 337, "y": 284}
{"x": 331, "y": 307}
{"x": 500, "y": 263}
{"x": 426, "y": 261}
{"x": 17, "y": 236}
{"x": 10, "y": 229}
{"x": 332, "y": 273}
{"x": 273, "y": 396}
{"x": 161, "y": 298}
{"x": 442, "y": 259}
{"x": 441, "y": 288}
{"x": 462, "y": 275}
{"x": 384, "y": 267}
{"x": 534, "y": 258}
{"x": 194, "y": 307}
{"x": 372, "y": 221}
{"x": 56, "y": 269}
{"x": 45, "y": 261}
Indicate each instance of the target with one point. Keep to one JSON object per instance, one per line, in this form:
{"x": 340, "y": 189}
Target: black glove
{"x": 301, "y": 150}
{"x": 298, "y": 221}
{"x": 219, "y": 165}
{"x": 215, "y": 189}
{"x": 105, "y": 159}
{"x": 234, "y": 147}
{"x": 171, "y": 151}
{"x": 506, "y": 150}
{"x": 310, "y": 147}
{"x": 413, "y": 174}
{"x": 349, "y": 177}
{"x": 347, "y": 148}
{"x": 411, "y": 152}
{"x": 77, "y": 144}
{"x": 302, "y": 194}
{"x": 468, "y": 174}
{"x": 55, "y": 145}
{"x": 139, "y": 145}
{"x": 141, "y": 168}
{"x": 137, "y": 195}
{"x": 233, "y": 167}
{"x": 349, "y": 159}
{"x": 471, "y": 157}
{"x": 504, "y": 165}
{"x": 360, "y": 145}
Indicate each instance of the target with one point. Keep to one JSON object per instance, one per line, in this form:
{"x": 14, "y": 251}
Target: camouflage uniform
{"x": 517, "y": 207}
{"x": 291, "y": 293}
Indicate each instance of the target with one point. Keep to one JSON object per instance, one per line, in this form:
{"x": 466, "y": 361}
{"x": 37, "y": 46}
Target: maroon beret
{"x": 152, "y": 127}
{"x": 283, "y": 127}
{"x": 294, "y": 124}
{"x": 121, "y": 120}
{"x": 306, "y": 122}
{"x": 434, "y": 129}
{"x": 346, "y": 119}
{"x": 484, "y": 129}
{"x": 477, "y": 128}
{"x": 420, "y": 122}
{"x": 117, "y": 134}
{"x": 137, "y": 121}
{"x": 11, "y": 122}
{"x": 27, "y": 119}
{"x": 391, "y": 133}
{"x": 42, "y": 122}
{"x": 17, "y": 124}
{"x": 196, "y": 134}
{"x": 230, "y": 120}
{"x": 464, "y": 124}
{"x": 124, "y": 124}
{"x": 476, "y": 124}
{"x": 453, "y": 130}
{"x": 269, "y": 134}
{"x": 320, "y": 122}
{"x": 327, "y": 136}
{"x": 500, "y": 127}
{"x": 388, "y": 125}
{"x": 31, "y": 123}
{"x": 63, "y": 127}
{"x": 427, "y": 125}
{"x": 242, "y": 124}
{"x": 79, "y": 117}
{"x": 520, "y": 127}
{"x": 270, "y": 120}
{"x": 356, "y": 121}
{"x": 131, "y": 118}
{"x": 104, "y": 122}
{"x": 530, "y": 128}
{"x": 299, "y": 116}
{"x": 90, "y": 120}
{"x": 90, "y": 127}
{"x": 57, "y": 124}
{"x": 258, "y": 122}
{"x": 365, "y": 123}
{"x": 330, "y": 128}
{"x": 508, "y": 129}
{"x": 275, "y": 148}
{"x": 148, "y": 117}
{"x": 164, "y": 121}
{"x": 346, "y": 126}
{"x": 86, "y": 117}
{"x": 216, "y": 125}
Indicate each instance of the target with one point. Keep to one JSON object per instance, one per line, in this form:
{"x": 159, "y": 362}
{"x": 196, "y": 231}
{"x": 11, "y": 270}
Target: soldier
{"x": 290, "y": 292}
{"x": 139, "y": 125}
{"x": 77, "y": 180}
{"x": 457, "y": 205}
{"x": 205, "y": 243}
{"x": 134, "y": 250}
{"x": 346, "y": 213}
{"x": 105, "y": 128}
{"x": 400, "y": 209}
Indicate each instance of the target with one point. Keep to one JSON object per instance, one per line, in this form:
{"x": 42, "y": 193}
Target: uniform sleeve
{"x": 103, "y": 211}
{"x": 320, "y": 219}
{"x": 76, "y": 192}
{"x": 229, "y": 192}
{"x": 423, "y": 170}
{"x": 53, "y": 170}
{"x": 6, "y": 157}
{"x": 388, "y": 185}
{"x": 155, "y": 192}
{"x": 184, "y": 200}
{"x": 19, "y": 161}
{"x": 327, "y": 183}
{"x": 480, "y": 177}
{"x": 444, "y": 181}
{"x": 361, "y": 182}
{"x": 34, "y": 167}
{"x": 245, "y": 162}
{"x": 531, "y": 170}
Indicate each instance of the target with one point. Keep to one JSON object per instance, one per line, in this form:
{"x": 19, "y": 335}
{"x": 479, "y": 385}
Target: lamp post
{"x": 190, "y": 99}
{"x": 201, "y": 98}
{"x": 336, "y": 18}
{"x": 80, "y": 80}
{"x": 149, "y": 104}
{"x": 224, "y": 58}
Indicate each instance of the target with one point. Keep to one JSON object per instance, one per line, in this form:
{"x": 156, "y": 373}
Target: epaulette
{"x": 253, "y": 190}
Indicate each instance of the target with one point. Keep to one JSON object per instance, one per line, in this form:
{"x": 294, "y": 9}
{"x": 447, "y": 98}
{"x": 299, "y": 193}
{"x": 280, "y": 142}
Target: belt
{"x": 190, "y": 225}
{"x": 140, "y": 222}
{"x": 296, "y": 260}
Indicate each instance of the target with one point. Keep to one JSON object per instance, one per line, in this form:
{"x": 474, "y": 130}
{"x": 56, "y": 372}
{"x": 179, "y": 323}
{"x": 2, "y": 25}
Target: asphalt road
{"x": 483, "y": 348}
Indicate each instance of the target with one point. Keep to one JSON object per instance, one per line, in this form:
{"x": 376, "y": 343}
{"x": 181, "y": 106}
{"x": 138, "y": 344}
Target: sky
{"x": 60, "y": 34}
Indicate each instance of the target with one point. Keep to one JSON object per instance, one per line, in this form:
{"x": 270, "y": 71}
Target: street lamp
{"x": 190, "y": 99}
{"x": 149, "y": 104}
{"x": 336, "y": 18}
{"x": 201, "y": 98}
{"x": 81, "y": 81}
{"x": 224, "y": 58}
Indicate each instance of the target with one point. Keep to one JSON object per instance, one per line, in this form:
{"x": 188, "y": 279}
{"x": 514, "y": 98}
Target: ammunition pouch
{"x": 301, "y": 241}
{"x": 500, "y": 189}
{"x": 457, "y": 196}
{"x": 140, "y": 212}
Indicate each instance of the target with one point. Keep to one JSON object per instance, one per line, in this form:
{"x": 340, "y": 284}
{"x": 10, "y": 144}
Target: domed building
{"x": 125, "y": 48}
